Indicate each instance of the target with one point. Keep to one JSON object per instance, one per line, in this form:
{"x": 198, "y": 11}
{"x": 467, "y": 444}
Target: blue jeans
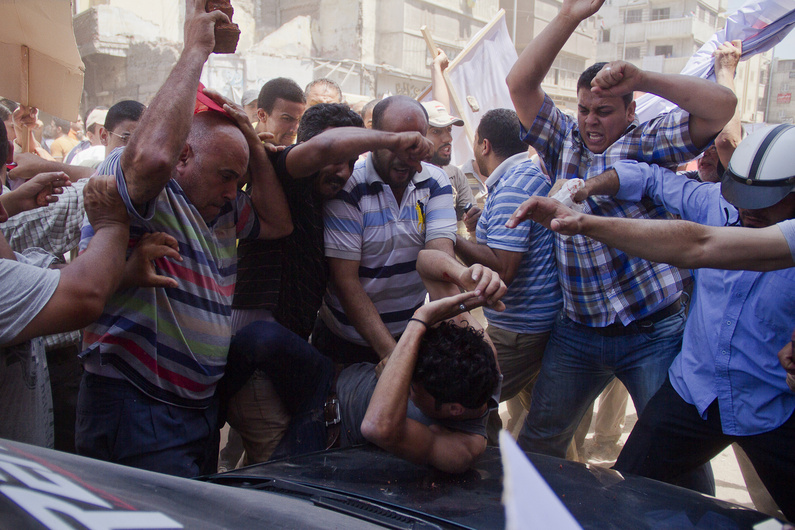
{"x": 301, "y": 375}
{"x": 578, "y": 364}
{"x": 118, "y": 423}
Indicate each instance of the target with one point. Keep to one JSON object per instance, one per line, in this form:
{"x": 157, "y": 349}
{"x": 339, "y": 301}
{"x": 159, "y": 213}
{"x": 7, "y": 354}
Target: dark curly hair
{"x": 320, "y": 117}
{"x": 589, "y": 73}
{"x": 455, "y": 364}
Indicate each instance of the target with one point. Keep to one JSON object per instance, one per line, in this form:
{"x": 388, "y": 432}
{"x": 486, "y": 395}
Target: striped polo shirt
{"x": 172, "y": 343}
{"x": 533, "y": 299}
{"x": 364, "y": 223}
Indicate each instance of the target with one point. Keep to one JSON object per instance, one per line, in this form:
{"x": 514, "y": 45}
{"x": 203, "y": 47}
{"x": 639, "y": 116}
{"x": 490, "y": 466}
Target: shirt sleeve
{"x": 678, "y": 194}
{"x": 247, "y": 224}
{"x": 506, "y": 200}
{"x": 344, "y": 226}
{"x": 440, "y": 214}
{"x": 55, "y": 228}
{"x": 788, "y": 229}
{"x": 26, "y": 290}
{"x": 547, "y": 133}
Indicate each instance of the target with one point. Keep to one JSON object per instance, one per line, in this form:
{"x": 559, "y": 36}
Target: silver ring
{"x": 462, "y": 307}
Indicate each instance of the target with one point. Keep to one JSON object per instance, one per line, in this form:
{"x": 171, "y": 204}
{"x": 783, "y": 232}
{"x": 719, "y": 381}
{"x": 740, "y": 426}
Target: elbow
{"x": 514, "y": 84}
{"x": 379, "y": 433}
{"x": 143, "y": 170}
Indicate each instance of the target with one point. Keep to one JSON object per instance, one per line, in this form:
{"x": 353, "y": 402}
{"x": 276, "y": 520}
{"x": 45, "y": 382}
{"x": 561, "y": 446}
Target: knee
{"x": 258, "y": 338}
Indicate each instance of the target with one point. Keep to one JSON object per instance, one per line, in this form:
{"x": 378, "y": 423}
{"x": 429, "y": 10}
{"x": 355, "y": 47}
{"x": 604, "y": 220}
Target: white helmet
{"x": 761, "y": 171}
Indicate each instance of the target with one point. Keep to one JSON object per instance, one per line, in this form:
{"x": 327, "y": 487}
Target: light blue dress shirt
{"x": 738, "y": 320}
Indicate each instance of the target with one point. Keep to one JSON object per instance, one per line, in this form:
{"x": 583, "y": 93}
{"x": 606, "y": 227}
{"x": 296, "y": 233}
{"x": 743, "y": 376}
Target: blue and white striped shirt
{"x": 533, "y": 298}
{"x": 364, "y": 223}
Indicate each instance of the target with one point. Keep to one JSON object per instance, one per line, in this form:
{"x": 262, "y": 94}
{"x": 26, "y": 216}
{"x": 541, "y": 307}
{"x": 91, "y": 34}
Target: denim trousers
{"x": 300, "y": 374}
{"x": 578, "y": 364}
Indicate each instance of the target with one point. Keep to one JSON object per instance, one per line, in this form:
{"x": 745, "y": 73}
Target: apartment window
{"x": 667, "y": 50}
{"x": 604, "y": 35}
{"x": 663, "y": 13}
{"x": 633, "y": 52}
{"x": 633, "y": 16}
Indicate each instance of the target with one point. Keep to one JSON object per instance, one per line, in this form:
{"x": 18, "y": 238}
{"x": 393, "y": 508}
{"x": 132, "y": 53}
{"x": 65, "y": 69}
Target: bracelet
{"x": 420, "y": 321}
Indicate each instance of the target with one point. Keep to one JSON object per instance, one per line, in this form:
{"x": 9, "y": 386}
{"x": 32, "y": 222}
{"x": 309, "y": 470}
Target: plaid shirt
{"x": 602, "y": 285}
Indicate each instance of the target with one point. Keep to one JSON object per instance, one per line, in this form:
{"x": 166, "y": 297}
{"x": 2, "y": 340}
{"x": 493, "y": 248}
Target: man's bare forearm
{"x": 83, "y": 287}
{"x": 690, "y": 245}
{"x": 152, "y": 154}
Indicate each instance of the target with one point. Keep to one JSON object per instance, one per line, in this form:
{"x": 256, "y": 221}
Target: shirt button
{"x": 728, "y": 322}
{"x": 724, "y": 352}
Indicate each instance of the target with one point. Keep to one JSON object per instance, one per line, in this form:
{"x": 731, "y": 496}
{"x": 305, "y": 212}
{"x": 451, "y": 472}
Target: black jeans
{"x": 301, "y": 375}
{"x": 670, "y": 440}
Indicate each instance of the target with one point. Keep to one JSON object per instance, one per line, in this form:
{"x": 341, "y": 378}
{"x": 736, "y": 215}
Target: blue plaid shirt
{"x": 602, "y": 285}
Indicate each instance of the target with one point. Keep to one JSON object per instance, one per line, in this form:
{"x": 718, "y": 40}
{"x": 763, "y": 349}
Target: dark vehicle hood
{"x": 42, "y": 488}
{"x": 596, "y": 497}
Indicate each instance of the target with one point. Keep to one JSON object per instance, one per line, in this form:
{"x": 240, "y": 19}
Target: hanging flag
{"x": 760, "y": 25}
{"x": 476, "y": 81}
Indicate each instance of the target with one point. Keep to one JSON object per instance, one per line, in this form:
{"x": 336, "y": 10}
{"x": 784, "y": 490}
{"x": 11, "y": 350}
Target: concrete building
{"x": 780, "y": 106}
{"x": 370, "y": 47}
{"x": 662, "y": 35}
{"x": 527, "y": 20}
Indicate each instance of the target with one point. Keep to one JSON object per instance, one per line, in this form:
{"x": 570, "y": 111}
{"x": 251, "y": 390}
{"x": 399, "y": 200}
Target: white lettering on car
{"x": 55, "y": 501}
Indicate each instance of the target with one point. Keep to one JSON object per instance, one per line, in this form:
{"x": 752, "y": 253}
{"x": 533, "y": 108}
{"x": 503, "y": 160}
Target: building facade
{"x": 780, "y": 107}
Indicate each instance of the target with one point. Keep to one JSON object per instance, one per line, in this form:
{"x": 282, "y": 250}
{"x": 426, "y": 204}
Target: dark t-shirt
{"x": 355, "y": 387}
{"x": 287, "y": 276}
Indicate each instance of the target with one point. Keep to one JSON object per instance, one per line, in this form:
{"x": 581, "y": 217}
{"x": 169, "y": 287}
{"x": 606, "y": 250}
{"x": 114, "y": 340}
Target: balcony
{"x": 675, "y": 28}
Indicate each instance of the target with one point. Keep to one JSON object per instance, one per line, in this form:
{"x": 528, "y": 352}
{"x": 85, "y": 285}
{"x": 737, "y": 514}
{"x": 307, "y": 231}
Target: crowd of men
{"x": 306, "y": 272}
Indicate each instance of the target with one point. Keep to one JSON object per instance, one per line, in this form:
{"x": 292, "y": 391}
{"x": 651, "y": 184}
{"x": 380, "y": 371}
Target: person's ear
{"x": 184, "y": 155}
{"x": 103, "y": 136}
{"x": 631, "y": 112}
{"x": 456, "y": 409}
{"x": 486, "y": 149}
{"x": 262, "y": 115}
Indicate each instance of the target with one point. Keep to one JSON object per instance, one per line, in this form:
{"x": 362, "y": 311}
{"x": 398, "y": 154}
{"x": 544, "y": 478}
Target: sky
{"x": 785, "y": 49}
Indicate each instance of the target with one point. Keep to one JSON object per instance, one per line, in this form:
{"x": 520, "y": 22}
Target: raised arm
{"x": 524, "y": 79}
{"x": 267, "y": 194}
{"x": 710, "y": 106}
{"x": 727, "y": 56}
{"x": 439, "y": 90}
{"x": 680, "y": 243}
{"x": 385, "y": 422}
{"x": 154, "y": 148}
{"x": 342, "y": 144}
{"x": 84, "y": 286}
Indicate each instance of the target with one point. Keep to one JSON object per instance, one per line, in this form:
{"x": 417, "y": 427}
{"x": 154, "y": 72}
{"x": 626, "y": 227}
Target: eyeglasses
{"x": 123, "y": 137}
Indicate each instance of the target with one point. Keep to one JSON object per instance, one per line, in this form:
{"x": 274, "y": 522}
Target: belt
{"x": 331, "y": 414}
{"x": 639, "y": 326}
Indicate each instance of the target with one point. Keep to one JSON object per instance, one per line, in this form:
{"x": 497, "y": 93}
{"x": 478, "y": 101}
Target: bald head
{"x": 400, "y": 114}
{"x": 206, "y": 130}
{"x": 212, "y": 163}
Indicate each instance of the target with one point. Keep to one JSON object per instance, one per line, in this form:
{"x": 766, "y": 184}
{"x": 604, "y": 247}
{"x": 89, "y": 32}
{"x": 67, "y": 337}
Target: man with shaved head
{"x": 154, "y": 358}
{"x": 388, "y": 211}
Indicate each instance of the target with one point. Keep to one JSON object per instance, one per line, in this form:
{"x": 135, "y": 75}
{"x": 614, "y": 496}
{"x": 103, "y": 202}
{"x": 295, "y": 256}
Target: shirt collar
{"x": 504, "y": 167}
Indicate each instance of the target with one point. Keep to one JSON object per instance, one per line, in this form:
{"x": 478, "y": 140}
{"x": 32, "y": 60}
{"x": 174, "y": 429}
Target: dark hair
{"x": 324, "y": 115}
{"x": 330, "y": 83}
{"x": 5, "y": 114}
{"x": 281, "y": 87}
{"x": 10, "y": 104}
{"x": 501, "y": 128}
{"x": 456, "y": 365}
{"x": 381, "y": 107}
{"x": 587, "y": 76}
{"x": 126, "y": 110}
{"x": 369, "y": 106}
{"x": 62, "y": 124}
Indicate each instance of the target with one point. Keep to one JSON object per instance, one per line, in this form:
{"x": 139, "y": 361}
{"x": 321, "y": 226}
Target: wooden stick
{"x": 24, "y": 94}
